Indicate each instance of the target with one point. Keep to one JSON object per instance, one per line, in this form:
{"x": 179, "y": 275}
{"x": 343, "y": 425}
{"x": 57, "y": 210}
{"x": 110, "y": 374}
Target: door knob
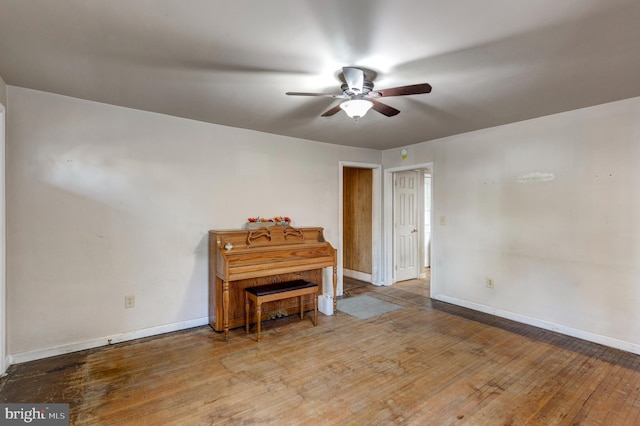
{"x": 414, "y": 230}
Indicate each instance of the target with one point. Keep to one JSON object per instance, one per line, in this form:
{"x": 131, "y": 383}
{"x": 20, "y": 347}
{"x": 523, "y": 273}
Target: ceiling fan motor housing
{"x": 367, "y": 86}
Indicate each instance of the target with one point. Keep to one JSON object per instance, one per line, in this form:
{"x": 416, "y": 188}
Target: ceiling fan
{"x": 360, "y": 95}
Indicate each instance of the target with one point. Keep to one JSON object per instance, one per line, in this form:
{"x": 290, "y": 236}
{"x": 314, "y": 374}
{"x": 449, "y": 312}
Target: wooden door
{"x": 357, "y": 219}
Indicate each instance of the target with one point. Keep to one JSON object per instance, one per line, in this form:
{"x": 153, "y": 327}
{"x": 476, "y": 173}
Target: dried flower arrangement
{"x": 259, "y": 221}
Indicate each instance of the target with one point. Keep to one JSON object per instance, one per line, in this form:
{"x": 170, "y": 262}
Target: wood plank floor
{"x": 428, "y": 363}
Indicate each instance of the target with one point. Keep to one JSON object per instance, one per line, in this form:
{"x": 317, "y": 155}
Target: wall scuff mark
{"x": 536, "y": 177}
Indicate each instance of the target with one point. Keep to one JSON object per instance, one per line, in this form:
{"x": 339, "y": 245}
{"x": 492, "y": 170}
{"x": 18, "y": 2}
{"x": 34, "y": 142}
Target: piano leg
{"x": 225, "y": 309}
{"x": 301, "y": 303}
{"x": 246, "y": 312}
{"x": 258, "y": 317}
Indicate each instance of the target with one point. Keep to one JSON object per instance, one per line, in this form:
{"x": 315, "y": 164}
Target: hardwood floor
{"x": 429, "y": 363}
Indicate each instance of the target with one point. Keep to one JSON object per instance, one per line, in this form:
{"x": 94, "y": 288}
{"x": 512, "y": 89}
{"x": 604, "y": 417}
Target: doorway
{"x": 372, "y": 249}
{"x": 357, "y": 226}
{"x": 407, "y": 234}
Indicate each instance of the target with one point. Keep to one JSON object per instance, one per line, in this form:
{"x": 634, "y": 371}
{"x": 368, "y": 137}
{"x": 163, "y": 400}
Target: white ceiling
{"x": 490, "y": 62}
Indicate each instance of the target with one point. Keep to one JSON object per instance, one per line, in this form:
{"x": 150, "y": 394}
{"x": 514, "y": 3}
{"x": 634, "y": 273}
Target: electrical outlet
{"x": 443, "y": 220}
{"x": 129, "y": 301}
{"x": 489, "y": 282}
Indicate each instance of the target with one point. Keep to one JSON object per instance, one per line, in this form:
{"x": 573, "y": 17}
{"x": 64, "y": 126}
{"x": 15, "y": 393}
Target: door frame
{"x": 388, "y": 234}
{"x": 376, "y": 231}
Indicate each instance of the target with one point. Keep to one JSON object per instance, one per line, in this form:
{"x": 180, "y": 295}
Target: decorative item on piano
{"x": 260, "y": 222}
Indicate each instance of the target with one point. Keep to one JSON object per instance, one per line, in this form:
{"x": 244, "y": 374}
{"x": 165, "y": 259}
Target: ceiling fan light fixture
{"x": 356, "y": 108}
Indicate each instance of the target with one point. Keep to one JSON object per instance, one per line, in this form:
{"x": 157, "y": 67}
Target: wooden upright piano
{"x": 246, "y": 258}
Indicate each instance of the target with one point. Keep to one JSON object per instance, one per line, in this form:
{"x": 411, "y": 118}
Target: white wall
{"x": 3, "y": 344}
{"x": 564, "y": 253}
{"x": 104, "y": 201}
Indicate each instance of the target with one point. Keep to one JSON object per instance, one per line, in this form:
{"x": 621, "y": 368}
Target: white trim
{"x": 546, "y": 325}
{"x": 6, "y": 363}
{"x": 4, "y": 358}
{"x": 362, "y": 276}
{"x": 105, "y": 341}
{"x": 376, "y": 232}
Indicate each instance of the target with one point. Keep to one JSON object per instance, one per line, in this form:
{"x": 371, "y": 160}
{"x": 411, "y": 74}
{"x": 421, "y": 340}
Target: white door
{"x": 406, "y": 236}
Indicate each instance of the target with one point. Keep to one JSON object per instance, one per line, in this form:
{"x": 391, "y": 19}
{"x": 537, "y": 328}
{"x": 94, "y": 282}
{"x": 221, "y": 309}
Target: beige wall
{"x": 106, "y": 201}
{"x": 550, "y": 210}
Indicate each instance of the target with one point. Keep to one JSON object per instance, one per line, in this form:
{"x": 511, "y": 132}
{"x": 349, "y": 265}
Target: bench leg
{"x": 259, "y": 314}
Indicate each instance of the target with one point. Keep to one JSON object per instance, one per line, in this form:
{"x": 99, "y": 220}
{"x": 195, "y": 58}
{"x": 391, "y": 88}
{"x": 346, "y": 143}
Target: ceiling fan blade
{"x": 413, "y": 89}
{"x": 324, "y": 95}
{"x": 332, "y": 111}
{"x": 354, "y": 77}
{"x": 383, "y": 109}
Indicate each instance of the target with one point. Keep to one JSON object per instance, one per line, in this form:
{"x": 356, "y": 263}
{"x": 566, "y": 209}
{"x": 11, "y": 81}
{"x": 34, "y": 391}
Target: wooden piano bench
{"x": 279, "y": 291}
